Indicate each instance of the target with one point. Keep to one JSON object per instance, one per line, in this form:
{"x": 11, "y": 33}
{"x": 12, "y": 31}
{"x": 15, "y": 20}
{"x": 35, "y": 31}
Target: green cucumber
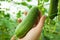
{"x": 27, "y": 23}
{"x": 59, "y": 10}
{"x": 53, "y": 9}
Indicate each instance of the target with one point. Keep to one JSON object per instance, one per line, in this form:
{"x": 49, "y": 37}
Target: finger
{"x": 37, "y": 20}
{"x": 41, "y": 22}
{"x": 40, "y": 15}
{"x": 34, "y": 33}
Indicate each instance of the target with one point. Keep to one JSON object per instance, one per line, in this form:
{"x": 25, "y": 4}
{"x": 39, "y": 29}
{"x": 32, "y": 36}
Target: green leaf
{"x": 29, "y": 0}
{"x": 9, "y": 0}
{"x": 46, "y": 0}
{"x": 0, "y": 4}
{"x": 2, "y": 13}
{"x": 24, "y": 3}
{"x": 18, "y": 14}
{"x": 17, "y": 3}
{"x": 7, "y": 9}
{"x": 29, "y": 6}
{"x": 2, "y": 0}
{"x": 7, "y": 16}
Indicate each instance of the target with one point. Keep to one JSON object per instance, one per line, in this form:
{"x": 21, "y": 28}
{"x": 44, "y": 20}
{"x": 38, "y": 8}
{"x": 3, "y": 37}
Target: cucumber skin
{"x": 53, "y": 9}
{"x": 27, "y": 23}
{"x": 59, "y": 10}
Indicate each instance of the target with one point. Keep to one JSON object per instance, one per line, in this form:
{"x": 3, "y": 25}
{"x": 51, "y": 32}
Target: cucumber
{"x": 27, "y": 23}
{"x": 53, "y": 9}
{"x": 59, "y": 10}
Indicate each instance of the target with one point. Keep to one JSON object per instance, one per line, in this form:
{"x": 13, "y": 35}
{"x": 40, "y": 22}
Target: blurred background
{"x": 12, "y": 10}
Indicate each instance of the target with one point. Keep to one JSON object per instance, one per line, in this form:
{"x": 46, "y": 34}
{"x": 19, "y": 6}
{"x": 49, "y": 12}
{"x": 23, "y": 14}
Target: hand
{"x": 35, "y": 32}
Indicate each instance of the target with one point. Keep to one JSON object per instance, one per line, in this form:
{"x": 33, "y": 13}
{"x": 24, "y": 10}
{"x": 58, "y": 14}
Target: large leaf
{"x": 29, "y": 6}
{"x": 29, "y": 0}
{"x": 7, "y": 28}
{"x": 1, "y": 13}
{"x": 46, "y": 0}
{"x": 24, "y": 3}
{"x": 2, "y": 0}
{"x": 18, "y": 14}
{"x": 9, "y": 0}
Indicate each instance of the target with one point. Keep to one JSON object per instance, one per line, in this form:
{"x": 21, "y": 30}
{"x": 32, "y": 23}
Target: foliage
{"x": 51, "y": 30}
{"x": 24, "y": 4}
{"x": 6, "y": 26}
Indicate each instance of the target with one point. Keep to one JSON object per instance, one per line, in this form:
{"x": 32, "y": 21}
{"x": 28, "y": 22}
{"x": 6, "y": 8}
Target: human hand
{"x": 35, "y": 32}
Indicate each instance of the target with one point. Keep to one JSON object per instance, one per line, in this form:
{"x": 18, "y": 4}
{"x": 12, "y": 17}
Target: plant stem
{"x": 38, "y": 2}
{"x": 59, "y": 10}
